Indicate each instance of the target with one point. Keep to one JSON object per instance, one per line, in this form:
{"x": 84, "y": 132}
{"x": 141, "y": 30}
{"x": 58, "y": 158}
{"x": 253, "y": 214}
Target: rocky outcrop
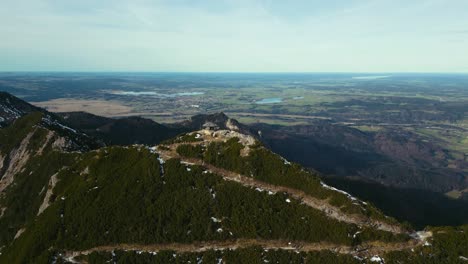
{"x": 221, "y": 120}
{"x": 2, "y": 159}
{"x": 18, "y": 234}
{"x": 2, "y": 211}
{"x": 16, "y": 160}
{"x": 50, "y": 187}
{"x": 48, "y": 138}
{"x": 232, "y": 124}
{"x": 60, "y": 143}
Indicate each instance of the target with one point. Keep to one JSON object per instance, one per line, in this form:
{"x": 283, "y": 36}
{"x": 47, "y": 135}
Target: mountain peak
{"x": 217, "y": 121}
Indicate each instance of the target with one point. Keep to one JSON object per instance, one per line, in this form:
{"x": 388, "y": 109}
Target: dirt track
{"x": 364, "y": 250}
{"x": 367, "y": 249}
{"x": 322, "y": 205}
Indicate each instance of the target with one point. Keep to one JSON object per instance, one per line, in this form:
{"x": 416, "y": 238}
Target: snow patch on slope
{"x": 338, "y": 190}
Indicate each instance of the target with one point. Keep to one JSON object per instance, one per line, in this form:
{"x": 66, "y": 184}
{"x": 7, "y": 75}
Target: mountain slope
{"x": 137, "y": 130}
{"x": 419, "y": 207}
{"x": 129, "y": 195}
{"x": 235, "y": 198}
{"x": 31, "y": 152}
{"x": 121, "y": 131}
{"x": 240, "y": 158}
{"x": 125, "y": 195}
{"x": 12, "y": 108}
{"x": 208, "y": 195}
{"x": 391, "y": 157}
{"x": 34, "y": 146}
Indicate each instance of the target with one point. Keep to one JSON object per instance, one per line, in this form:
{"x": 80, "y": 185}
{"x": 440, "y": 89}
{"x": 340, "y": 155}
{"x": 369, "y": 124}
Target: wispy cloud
{"x": 234, "y": 35}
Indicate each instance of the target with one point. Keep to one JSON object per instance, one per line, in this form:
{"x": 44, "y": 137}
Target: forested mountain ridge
{"x": 241, "y": 158}
{"x": 138, "y": 130}
{"x": 121, "y": 131}
{"x": 12, "y": 108}
{"x": 204, "y": 196}
{"x": 114, "y": 189}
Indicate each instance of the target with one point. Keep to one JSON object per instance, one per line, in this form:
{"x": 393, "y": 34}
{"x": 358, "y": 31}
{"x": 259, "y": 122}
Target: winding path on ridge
{"x": 322, "y": 205}
{"x": 364, "y": 250}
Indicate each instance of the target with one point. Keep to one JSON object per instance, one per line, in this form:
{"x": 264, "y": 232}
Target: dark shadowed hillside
{"x": 391, "y": 157}
{"x": 419, "y": 207}
{"x": 12, "y": 108}
{"x": 121, "y": 131}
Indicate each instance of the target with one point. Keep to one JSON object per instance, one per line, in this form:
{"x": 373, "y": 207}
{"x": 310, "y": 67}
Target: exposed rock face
{"x": 21, "y": 231}
{"x": 2, "y": 158}
{"x": 17, "y": 159}
{"x": 50, "y": 187}
{"x": 224, "y": 135}
{"x": 220, "y": 119}
{"x": 232, "y": 124}
{"x": 48, "y": 138}
{"x": 245, "y": 140}
{"x": 85, "y": 171}
{"x": 60, "y": 143}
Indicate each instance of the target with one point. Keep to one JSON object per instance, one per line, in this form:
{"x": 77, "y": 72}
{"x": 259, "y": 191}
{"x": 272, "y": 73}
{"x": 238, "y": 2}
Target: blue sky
{"x": 234, "y": 35}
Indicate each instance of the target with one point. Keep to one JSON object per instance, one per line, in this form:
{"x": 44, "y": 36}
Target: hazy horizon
{"x": 358, "y": 36}
{"x": 234, "y": 72}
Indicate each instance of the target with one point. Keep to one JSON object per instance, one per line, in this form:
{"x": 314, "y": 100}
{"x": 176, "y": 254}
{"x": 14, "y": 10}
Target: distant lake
{"x": 270, "y": 100}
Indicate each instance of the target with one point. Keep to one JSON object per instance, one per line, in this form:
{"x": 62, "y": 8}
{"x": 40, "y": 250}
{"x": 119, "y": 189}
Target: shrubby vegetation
{"x": 11, "y": 136}
{"x": 190, "y": 151}
{"x": 121, "y": 195}
{"x": 250, "y": 255}
{"x": 22, "y": 199}
{"x": 267, "y": 166}
{"x": 371, "y": 234}
{"x": 449, "y": 245}
{"x": 184, "y": 138}
{"x": 118, "y": 195}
